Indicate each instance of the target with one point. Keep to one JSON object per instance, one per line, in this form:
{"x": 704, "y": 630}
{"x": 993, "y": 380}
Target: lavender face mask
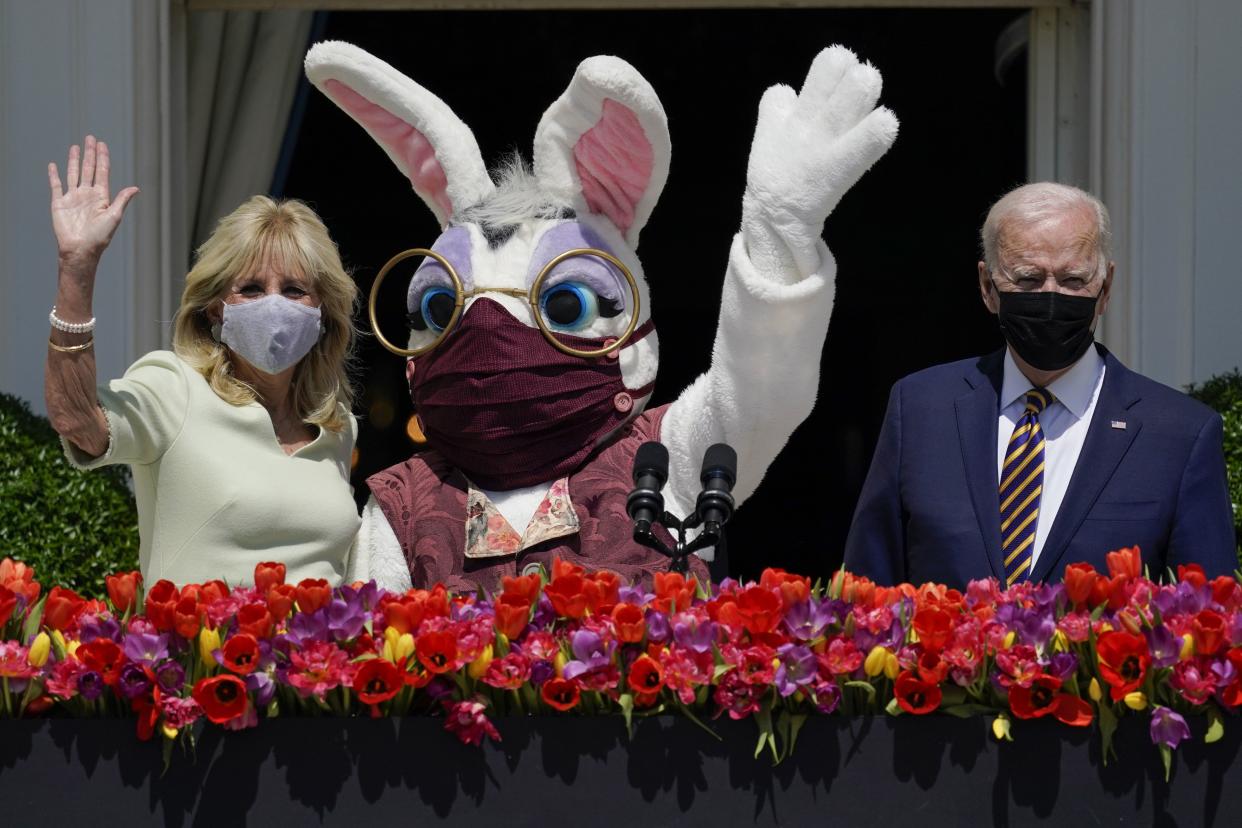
{"x": 272, "y": 333}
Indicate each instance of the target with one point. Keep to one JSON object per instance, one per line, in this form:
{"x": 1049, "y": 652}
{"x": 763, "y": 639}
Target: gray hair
{"x": 1032, "y": 203}
{"x": 518, "y": 197}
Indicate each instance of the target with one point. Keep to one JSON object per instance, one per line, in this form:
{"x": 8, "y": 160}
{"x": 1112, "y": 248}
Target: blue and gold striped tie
{"x": 1022, "y": 483}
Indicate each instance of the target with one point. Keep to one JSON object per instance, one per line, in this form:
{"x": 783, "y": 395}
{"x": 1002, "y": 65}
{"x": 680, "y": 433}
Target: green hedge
{"x": 1224, "y": 393}
{"x": 73, "y": 527}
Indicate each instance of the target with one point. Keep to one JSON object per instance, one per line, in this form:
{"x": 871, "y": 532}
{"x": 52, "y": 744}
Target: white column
{"x": 68, "y": 67}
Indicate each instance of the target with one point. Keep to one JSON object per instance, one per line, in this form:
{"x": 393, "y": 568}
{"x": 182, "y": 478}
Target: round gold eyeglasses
{"x": 532, "y": 297}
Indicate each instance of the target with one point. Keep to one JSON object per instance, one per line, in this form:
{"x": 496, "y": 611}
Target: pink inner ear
{"x": 415, "y": 152}
{"x": 614, "y": 161}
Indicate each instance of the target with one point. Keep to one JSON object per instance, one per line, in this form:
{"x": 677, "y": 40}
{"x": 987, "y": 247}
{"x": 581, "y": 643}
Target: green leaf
{"x": 796, "y": 721}
{"x": 685, "y": 711}
{"x": 866, "y": 686}
{"x": 1166, "y": 754}
{"x": 626, "y": 702}
{"x": 1216, "y": 726}
{"x": 1108, "y": 726}
{"x": 31, "y": 628}
{"x": 893, "y": 708}
{"x": 766, "y": 735}
{"x": 720, "y": 670}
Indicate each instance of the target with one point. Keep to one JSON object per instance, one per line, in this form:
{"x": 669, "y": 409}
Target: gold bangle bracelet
{"x": 71, "y": 349}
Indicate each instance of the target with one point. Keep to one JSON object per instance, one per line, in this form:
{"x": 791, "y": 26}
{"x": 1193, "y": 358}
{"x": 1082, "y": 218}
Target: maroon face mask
{"x": 508, "y": 409}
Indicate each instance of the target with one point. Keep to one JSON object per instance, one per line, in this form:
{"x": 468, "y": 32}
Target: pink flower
{"x": 685, "y": 671}
{"x": 842, "y": 658}
{"x": 179, "y": 712}
{"x": 14, "y": 662}
{"x": 736, "y": 697}
{"x": 63, "y": 680}
{"x": 754, "y": 664}
{"x": 317, "y": 668}
{"x": 466, "y": 720}
{"x": 1194, "y": 679}
{"x": 1018, "y": 666}
{"x": 508, "y": 673}
{"x": 1076, "y": 626}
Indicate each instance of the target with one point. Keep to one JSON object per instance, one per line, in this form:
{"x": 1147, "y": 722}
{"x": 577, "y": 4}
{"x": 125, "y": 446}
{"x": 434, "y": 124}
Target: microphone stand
{"x": 680, "y": 554}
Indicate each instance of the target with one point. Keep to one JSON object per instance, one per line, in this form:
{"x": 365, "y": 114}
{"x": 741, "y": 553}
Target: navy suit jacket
{"x": 930, "y": 511}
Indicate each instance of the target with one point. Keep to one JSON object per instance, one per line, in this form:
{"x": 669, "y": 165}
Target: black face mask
{"x": 1049, "y": 330}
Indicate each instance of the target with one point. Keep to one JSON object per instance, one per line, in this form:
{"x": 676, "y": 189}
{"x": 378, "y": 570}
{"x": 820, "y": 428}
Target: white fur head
{"x": 601, "y": 155}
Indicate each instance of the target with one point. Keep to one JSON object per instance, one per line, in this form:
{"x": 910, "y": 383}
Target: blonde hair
{"x": 287, "y": 232}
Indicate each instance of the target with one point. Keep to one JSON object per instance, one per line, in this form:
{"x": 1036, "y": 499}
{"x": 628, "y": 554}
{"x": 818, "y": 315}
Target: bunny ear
{"x": 428, "y": 143}
{"x": 604, "y": 144}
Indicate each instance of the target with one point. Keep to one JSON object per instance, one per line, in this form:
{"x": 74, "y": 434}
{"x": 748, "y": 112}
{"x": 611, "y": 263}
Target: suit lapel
{"x": 977, "y": 413}
{"x": 1101, "y": 453}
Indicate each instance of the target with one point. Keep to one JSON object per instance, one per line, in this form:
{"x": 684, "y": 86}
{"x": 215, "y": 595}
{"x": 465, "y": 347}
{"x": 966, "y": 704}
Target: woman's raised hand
{"x": 84, "y": 217}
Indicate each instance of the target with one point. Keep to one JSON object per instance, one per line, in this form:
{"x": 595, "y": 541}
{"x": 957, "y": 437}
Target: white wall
{"x": 1170, "y": 168}
{"x": 68, "y": 66}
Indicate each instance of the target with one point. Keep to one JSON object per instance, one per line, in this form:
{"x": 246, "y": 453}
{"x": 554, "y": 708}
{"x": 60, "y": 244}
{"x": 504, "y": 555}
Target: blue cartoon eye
{"x": 435, "y": 309}
{"x": 569, "y": 306}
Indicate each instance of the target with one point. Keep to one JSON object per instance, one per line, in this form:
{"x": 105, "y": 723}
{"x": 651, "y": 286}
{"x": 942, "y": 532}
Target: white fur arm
{"x": 762, "y": 381}
{"x": 809, "y": 148}
{"x": 377, "y": 553}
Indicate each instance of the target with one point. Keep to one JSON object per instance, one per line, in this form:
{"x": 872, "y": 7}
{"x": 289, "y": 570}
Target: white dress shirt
{"x": 1064, "y": 424}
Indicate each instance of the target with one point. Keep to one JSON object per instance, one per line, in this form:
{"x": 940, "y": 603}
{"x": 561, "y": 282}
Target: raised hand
{"x": 809, "y": 148}
{"x": 84, "y": 217}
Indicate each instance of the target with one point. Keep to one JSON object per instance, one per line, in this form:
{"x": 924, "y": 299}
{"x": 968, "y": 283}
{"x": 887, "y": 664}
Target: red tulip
{"x": 673, "y": 589}
{"x": 313, "y": 593}
{"x": 1192, "y": 574}
{"x": 123, "y": 590}
{"x": 19, "y": 578}
{"x": 223, "y": 698}
{"x": 187, "y": 620}
{"x": 61, "y": 609}
{"x": 1125, "y": 563}
{"x": 1210, "y": 631}
{"x": 161, "y": 605}
{"x": 602, "y": 590}
{"x": 646, "y": 675}
{"x": 567, "y": 596}
{"x": 437, "y": 651}
{"x": 241, "y": 654}
{"x": 1039, "y": 699}
{"x": 793, "y": 589}
{"x": 560, "y": 694}
{"x": 1124, "y": 660}
{"x": 527, "y": 586}
{"x": 280, "y": 598}
{"x": 934, "y": 627}
{"x": 267, "y": 575}
{"x": 915, "y": 695}
{"x": 104, "y": 656}
{"x": 255, "y": 619}
{"x": 757, "y": 610}
{"x": 1080, "y": 579}
{"x": 377, "y": 680}
{"x": 512, "y": 614}
{"x": 8, "y": 603}
{"x": 630, "y": 623}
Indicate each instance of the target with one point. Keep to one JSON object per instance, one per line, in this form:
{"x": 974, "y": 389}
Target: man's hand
{"x": 809, "y": 149}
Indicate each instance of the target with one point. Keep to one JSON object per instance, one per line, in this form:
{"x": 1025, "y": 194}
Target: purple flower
{"x": 170, "y": 676}
{"x": 1062, "y": 665}
{"x": 1035, "y": 627}
{"x": 658, "y": 629}
{"x": 1165, "y": 647}
{"x": 145, "y": 648}
{"x": 90, "y": 685}
{"x": 261, "y": 684}
{"x": 827, "y": 696}
{"x": 92, "y": 627}
{"x": 133, "y": 681}
{"x": 541, "y": 671}
{"x": 1225, "y": 673}
{"x": 1182, "y": 599}
{"x": 346, "y": 618}
{"x": 797, "y": 667}
{"x": 1167, "y": 728}
{"x": 544, "y": 614}
{"x": 590, "y": 651}
{"x": 693, "y": 634}
{"x": 308, "y": 627}
{"x": 634, "y": 595}
{"x": 806, "y": 619}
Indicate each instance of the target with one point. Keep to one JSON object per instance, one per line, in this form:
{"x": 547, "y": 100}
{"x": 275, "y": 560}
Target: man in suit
{"x": 1050, "y": 451}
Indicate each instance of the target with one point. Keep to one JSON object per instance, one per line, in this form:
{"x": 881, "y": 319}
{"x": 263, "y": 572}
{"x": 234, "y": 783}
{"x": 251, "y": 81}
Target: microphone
{"x": 645, "y": 504}
{"x": 715, "y": 503}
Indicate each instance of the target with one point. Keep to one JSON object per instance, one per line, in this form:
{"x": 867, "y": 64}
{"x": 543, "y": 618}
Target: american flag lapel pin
{"x": 1119, "y": 424}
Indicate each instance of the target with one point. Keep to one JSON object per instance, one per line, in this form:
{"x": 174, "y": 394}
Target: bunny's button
{"x": 615, "y": 354}
{"x": 623, "y": 402}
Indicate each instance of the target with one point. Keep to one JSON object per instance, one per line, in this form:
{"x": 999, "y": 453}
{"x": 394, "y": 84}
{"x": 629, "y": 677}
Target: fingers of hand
{"x": 117, "y": 209}
{"x": 826, "y": 72}
{"x": 72, "y": 168}
{"x": 776, "y": 103}
{"x": 53, "y": 180}
{"x": 857, "y": 150}
{"x": 103, "y": 165}
{"x": 854, "y": 97}
{"x": 88, "y": 163}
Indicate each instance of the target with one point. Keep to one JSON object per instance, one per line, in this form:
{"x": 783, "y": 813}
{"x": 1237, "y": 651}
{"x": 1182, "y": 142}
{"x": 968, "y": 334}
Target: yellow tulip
{"x": 208, "y": 643}
{"x": 891, "y": 666}
{"x": 559, "y": 664}
{"x": 1010, "y": 637}
{"x": 1000, "y": 728}
{"x": 169, "y": 732}
{"x": 1188, "y": 647}
{"x": 1095, "y": 691}
{"x": 1060, "y": 643}
{"x": 39, "y": 649}
{"x": 1136, "y": 700}
{"x": 397, "y": 645}
{"x": 478, "y": 667}
{"x": 875, "y": 662}
{"x": 71, "y": 647}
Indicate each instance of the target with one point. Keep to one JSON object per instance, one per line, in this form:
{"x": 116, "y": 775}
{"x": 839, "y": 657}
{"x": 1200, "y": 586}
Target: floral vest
{"x": 451, "y": 533}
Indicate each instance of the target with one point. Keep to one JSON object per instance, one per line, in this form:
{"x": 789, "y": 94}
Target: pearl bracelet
{"x": 70, "y": 327}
